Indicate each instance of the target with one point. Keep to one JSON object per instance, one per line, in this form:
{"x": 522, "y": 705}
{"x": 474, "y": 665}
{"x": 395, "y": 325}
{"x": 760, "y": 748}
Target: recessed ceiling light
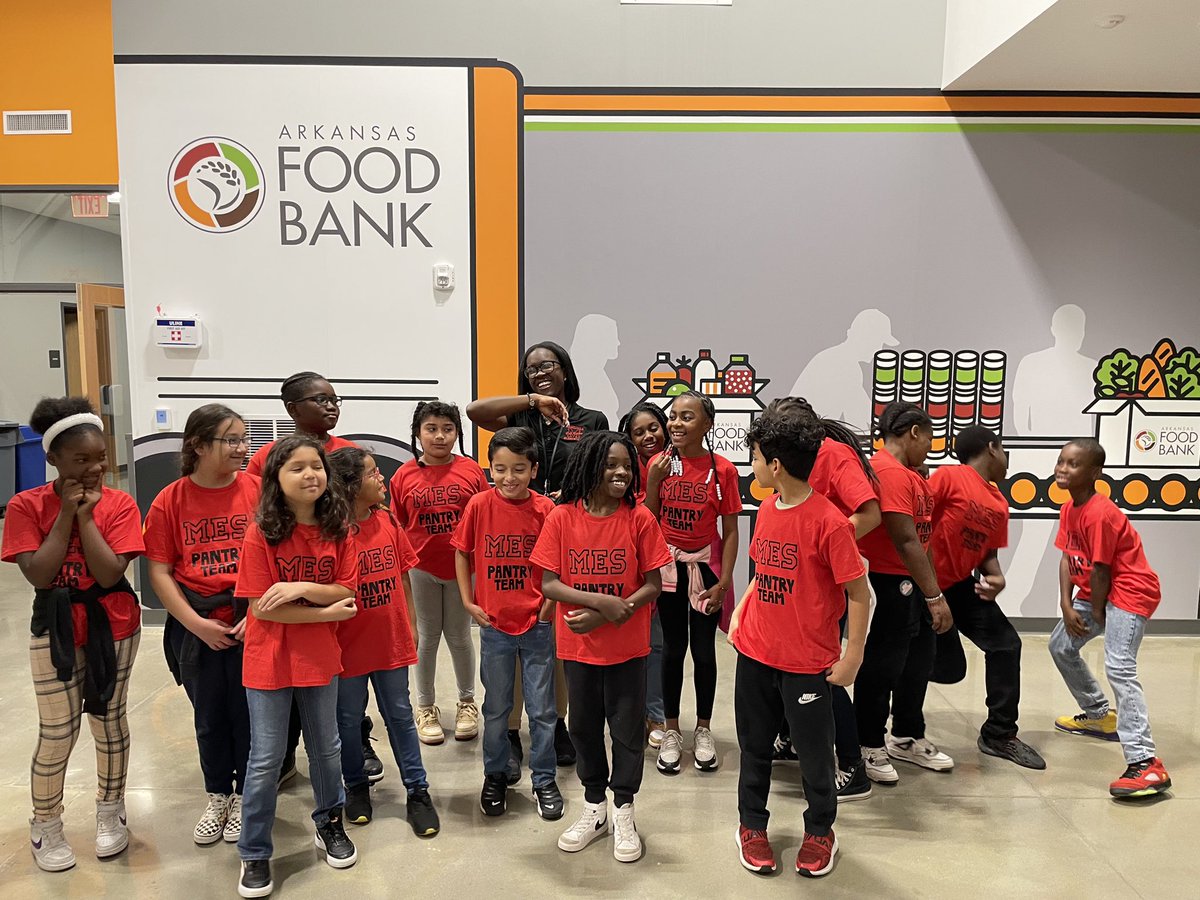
{"x": 1110, "y": 21}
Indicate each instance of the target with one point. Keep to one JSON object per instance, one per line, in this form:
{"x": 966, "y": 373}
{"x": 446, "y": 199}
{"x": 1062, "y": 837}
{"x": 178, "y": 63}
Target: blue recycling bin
{"x": 9, "y": 438}
{"x": 31, "y": 461}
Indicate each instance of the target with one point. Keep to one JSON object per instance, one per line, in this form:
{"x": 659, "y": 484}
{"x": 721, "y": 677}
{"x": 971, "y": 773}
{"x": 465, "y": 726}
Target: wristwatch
{"x": 532, "y": 402}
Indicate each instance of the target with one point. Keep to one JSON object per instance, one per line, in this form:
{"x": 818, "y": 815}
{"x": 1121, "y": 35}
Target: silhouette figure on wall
{"x": 595, "y": 345}
{"x": 834, "y": 380}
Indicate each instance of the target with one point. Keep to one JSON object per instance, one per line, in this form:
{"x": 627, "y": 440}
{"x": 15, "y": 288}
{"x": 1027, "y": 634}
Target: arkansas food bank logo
{"x": 216, "y": 184}
{"x": 1145, "y": 441}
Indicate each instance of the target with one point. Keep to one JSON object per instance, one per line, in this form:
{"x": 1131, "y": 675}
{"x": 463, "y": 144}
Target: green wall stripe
{"x": 777, "y": 127}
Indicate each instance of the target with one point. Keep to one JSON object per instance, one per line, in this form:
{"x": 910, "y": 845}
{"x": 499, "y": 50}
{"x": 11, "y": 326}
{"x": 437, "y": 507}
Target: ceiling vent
{"x": 38, "y": 121}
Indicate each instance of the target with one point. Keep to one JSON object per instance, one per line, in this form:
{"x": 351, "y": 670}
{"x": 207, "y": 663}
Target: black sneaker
{"x": 421, "y": 815}
{"x": 784, "y": 751}
{"x": 339, "y": 849}
{"x": 288, "y": 770}
{"x": 372, "y": 767}
{"x": 549, "y": 801}
{"x": 1014, "y": 750}
{"x": 493, "y": 799}
{"x": 516, "y": 754}
{"x": 256, "y": 878}
{"x": 358, "y": 803}
{"x": 853, "y": 783}
{"x": 564, "y": 749}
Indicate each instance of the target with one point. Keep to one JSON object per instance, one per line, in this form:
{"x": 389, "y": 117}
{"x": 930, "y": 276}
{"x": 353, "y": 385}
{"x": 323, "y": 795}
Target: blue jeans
{"x": 269, "y": 714}
{"x": 498, "y": 654}
{"x": 654, "y": 685}
{"x": 391, "y": 694}
{"x": 1122, "y": 636}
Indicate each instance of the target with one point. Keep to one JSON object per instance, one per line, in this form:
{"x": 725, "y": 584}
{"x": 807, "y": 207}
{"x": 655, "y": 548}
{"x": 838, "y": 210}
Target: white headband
{"x": 69, "y": 422}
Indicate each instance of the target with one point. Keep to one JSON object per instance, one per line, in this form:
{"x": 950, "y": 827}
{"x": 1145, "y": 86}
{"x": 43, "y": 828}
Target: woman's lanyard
{"x": 549, "y": 457}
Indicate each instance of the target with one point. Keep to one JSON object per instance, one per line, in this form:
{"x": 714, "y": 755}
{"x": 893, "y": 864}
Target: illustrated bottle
{"x": 660, "y": 375}
{"x": 705, "y": 377}
{"x": 739, "y": 376}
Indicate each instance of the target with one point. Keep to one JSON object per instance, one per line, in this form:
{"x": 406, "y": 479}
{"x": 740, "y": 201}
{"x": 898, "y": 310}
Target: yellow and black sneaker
{"x": 1104, "y": 728}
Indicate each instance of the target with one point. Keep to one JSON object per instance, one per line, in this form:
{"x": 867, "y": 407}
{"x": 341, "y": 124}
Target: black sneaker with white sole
{"x": 372, "y": 767}
{"x": 358, "y": 804}
{"x": 493, "y": 799}
{"x": 332, "y": 838}
{"x": 256, "y": 878}
{"x": 853, "y": 783}
{"x": 421, "y": 815}
{"x": 549, "y": 801}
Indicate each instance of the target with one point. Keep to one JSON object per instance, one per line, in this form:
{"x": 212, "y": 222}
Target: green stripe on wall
{"x": 776, "y": 127}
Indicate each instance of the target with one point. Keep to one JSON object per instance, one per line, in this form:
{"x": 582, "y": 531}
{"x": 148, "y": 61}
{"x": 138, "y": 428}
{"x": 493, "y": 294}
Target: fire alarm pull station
{"x": 177, "y": 332}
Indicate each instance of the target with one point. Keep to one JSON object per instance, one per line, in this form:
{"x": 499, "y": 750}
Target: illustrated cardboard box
{"x": 1149, "y": 434}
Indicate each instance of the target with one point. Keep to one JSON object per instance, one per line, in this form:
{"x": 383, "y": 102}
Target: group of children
{"x": 295, "y": 583}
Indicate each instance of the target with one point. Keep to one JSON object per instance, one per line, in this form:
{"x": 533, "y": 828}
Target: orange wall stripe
{"x": 497, "y": 234}
{"x": 59, "y": 55}
{"x": 937, "y": 104}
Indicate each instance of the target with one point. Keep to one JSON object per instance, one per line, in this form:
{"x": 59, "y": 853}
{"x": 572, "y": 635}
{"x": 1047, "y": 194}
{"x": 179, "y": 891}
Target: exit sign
{"x": 89, "y": 206}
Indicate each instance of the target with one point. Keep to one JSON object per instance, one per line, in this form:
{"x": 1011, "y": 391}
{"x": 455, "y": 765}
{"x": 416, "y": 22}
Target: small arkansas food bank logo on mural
{"x": 1145, "y": 441}
{"x": 216, "y": 184}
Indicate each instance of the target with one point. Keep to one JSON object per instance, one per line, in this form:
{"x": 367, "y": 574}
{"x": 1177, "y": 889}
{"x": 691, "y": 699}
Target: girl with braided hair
{"x": 695, "y": 495}
{"x": 313, "y": 404}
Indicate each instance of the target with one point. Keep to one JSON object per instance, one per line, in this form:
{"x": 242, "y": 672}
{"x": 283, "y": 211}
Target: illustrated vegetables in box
{"x": 1166, "y": 373}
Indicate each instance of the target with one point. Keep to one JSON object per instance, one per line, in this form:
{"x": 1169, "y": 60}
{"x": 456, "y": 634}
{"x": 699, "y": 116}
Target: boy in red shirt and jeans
{"x": 1116, "y": 592}
{"x": 786, "y": 631}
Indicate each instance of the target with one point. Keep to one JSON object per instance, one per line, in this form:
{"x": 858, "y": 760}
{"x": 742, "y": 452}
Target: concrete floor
{"x": 988, "y": 827}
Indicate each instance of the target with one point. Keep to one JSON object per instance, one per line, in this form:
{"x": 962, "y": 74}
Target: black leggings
{"x": 683, "y": 627}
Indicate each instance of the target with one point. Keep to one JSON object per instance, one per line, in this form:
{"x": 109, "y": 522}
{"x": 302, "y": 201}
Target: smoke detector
{"x": 1110, "y": 21}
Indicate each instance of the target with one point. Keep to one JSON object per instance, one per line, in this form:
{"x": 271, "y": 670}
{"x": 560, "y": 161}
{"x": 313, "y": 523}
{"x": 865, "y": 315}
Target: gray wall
{"x": 32, "y": 326}
{"x": 42, "y": 250}
{"x": 754, "y": 43}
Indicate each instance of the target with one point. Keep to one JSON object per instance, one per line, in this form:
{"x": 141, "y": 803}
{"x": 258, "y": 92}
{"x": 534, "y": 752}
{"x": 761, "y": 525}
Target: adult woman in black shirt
{"x": 547, "y": 403}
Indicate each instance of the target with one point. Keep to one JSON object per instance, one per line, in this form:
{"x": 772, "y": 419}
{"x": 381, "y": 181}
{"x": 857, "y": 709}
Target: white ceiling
{"x": 58, "y": 206}
{"x": 1156, "y": 48}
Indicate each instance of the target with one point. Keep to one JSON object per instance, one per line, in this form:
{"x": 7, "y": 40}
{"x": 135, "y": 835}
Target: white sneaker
{"x": 466, "y": 721}
{"x": 879, "y": 767}
{"x": 112, "y": 834}
{"x": 233, "y": 824}
{"x": 627, "y": 844}
{"x": 705, "y": 750}
{"x": 658, "y": 731}
{"x": 49, "y": 845}
{"x": 920, "y": 751}
{"x": 670, "y": 752}
{"x": 429, "y": 725}
{"x": 593, "y": 823}
{"x": 212, "y": 824}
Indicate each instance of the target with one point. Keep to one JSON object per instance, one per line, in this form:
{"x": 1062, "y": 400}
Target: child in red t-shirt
{"x": 378, "y": 645}
{"x": 429, "y": 494}
{"x": 909, "y": 606}
{"x": 494, "y": 539}
{"x": 313, "y": 404}
{"x": 73, "y": 540}
{"x": 1115, "y": 594}
{"x": 298, "y": 570}
{"x": 194, "y": 533}
{"x": 970, "y": 524}
{"x": 601, "y": 552}
{"x": 646, "y": 426}
{"x": 696, "y": 496}
{"x": 788, "y": 636}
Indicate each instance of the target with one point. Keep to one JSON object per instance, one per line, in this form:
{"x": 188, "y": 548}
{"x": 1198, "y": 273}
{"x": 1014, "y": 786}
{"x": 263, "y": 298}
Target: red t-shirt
{"x": 838, "y": 475}
{"x": 379, "y": 637}
{"x": 302, "y": 655}
{"x": 498, "y": 535}
{"x": 604, "y": 555}
{"x": 688, "y": 506}
{"x": 428, "y": 502}
{"x": 259, "y": 459}
{"x": 802, "y": 558}
{"x": 1098, "y": 532}
{"x": 198, "y": 531}
{"x": 900, "y": 490}
{"x": 970, "y": 519}
{"x": 30, "y": 517}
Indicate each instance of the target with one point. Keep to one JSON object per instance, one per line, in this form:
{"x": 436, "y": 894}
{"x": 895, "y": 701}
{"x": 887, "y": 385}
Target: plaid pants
{"x": 60, "y": 708}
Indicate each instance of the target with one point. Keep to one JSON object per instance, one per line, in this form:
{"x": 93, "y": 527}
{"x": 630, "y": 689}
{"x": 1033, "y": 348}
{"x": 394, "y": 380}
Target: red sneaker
{"x": 1142, "y": 779}
{"x": 755, "y": 851}
{"x": 816, "y": 855}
